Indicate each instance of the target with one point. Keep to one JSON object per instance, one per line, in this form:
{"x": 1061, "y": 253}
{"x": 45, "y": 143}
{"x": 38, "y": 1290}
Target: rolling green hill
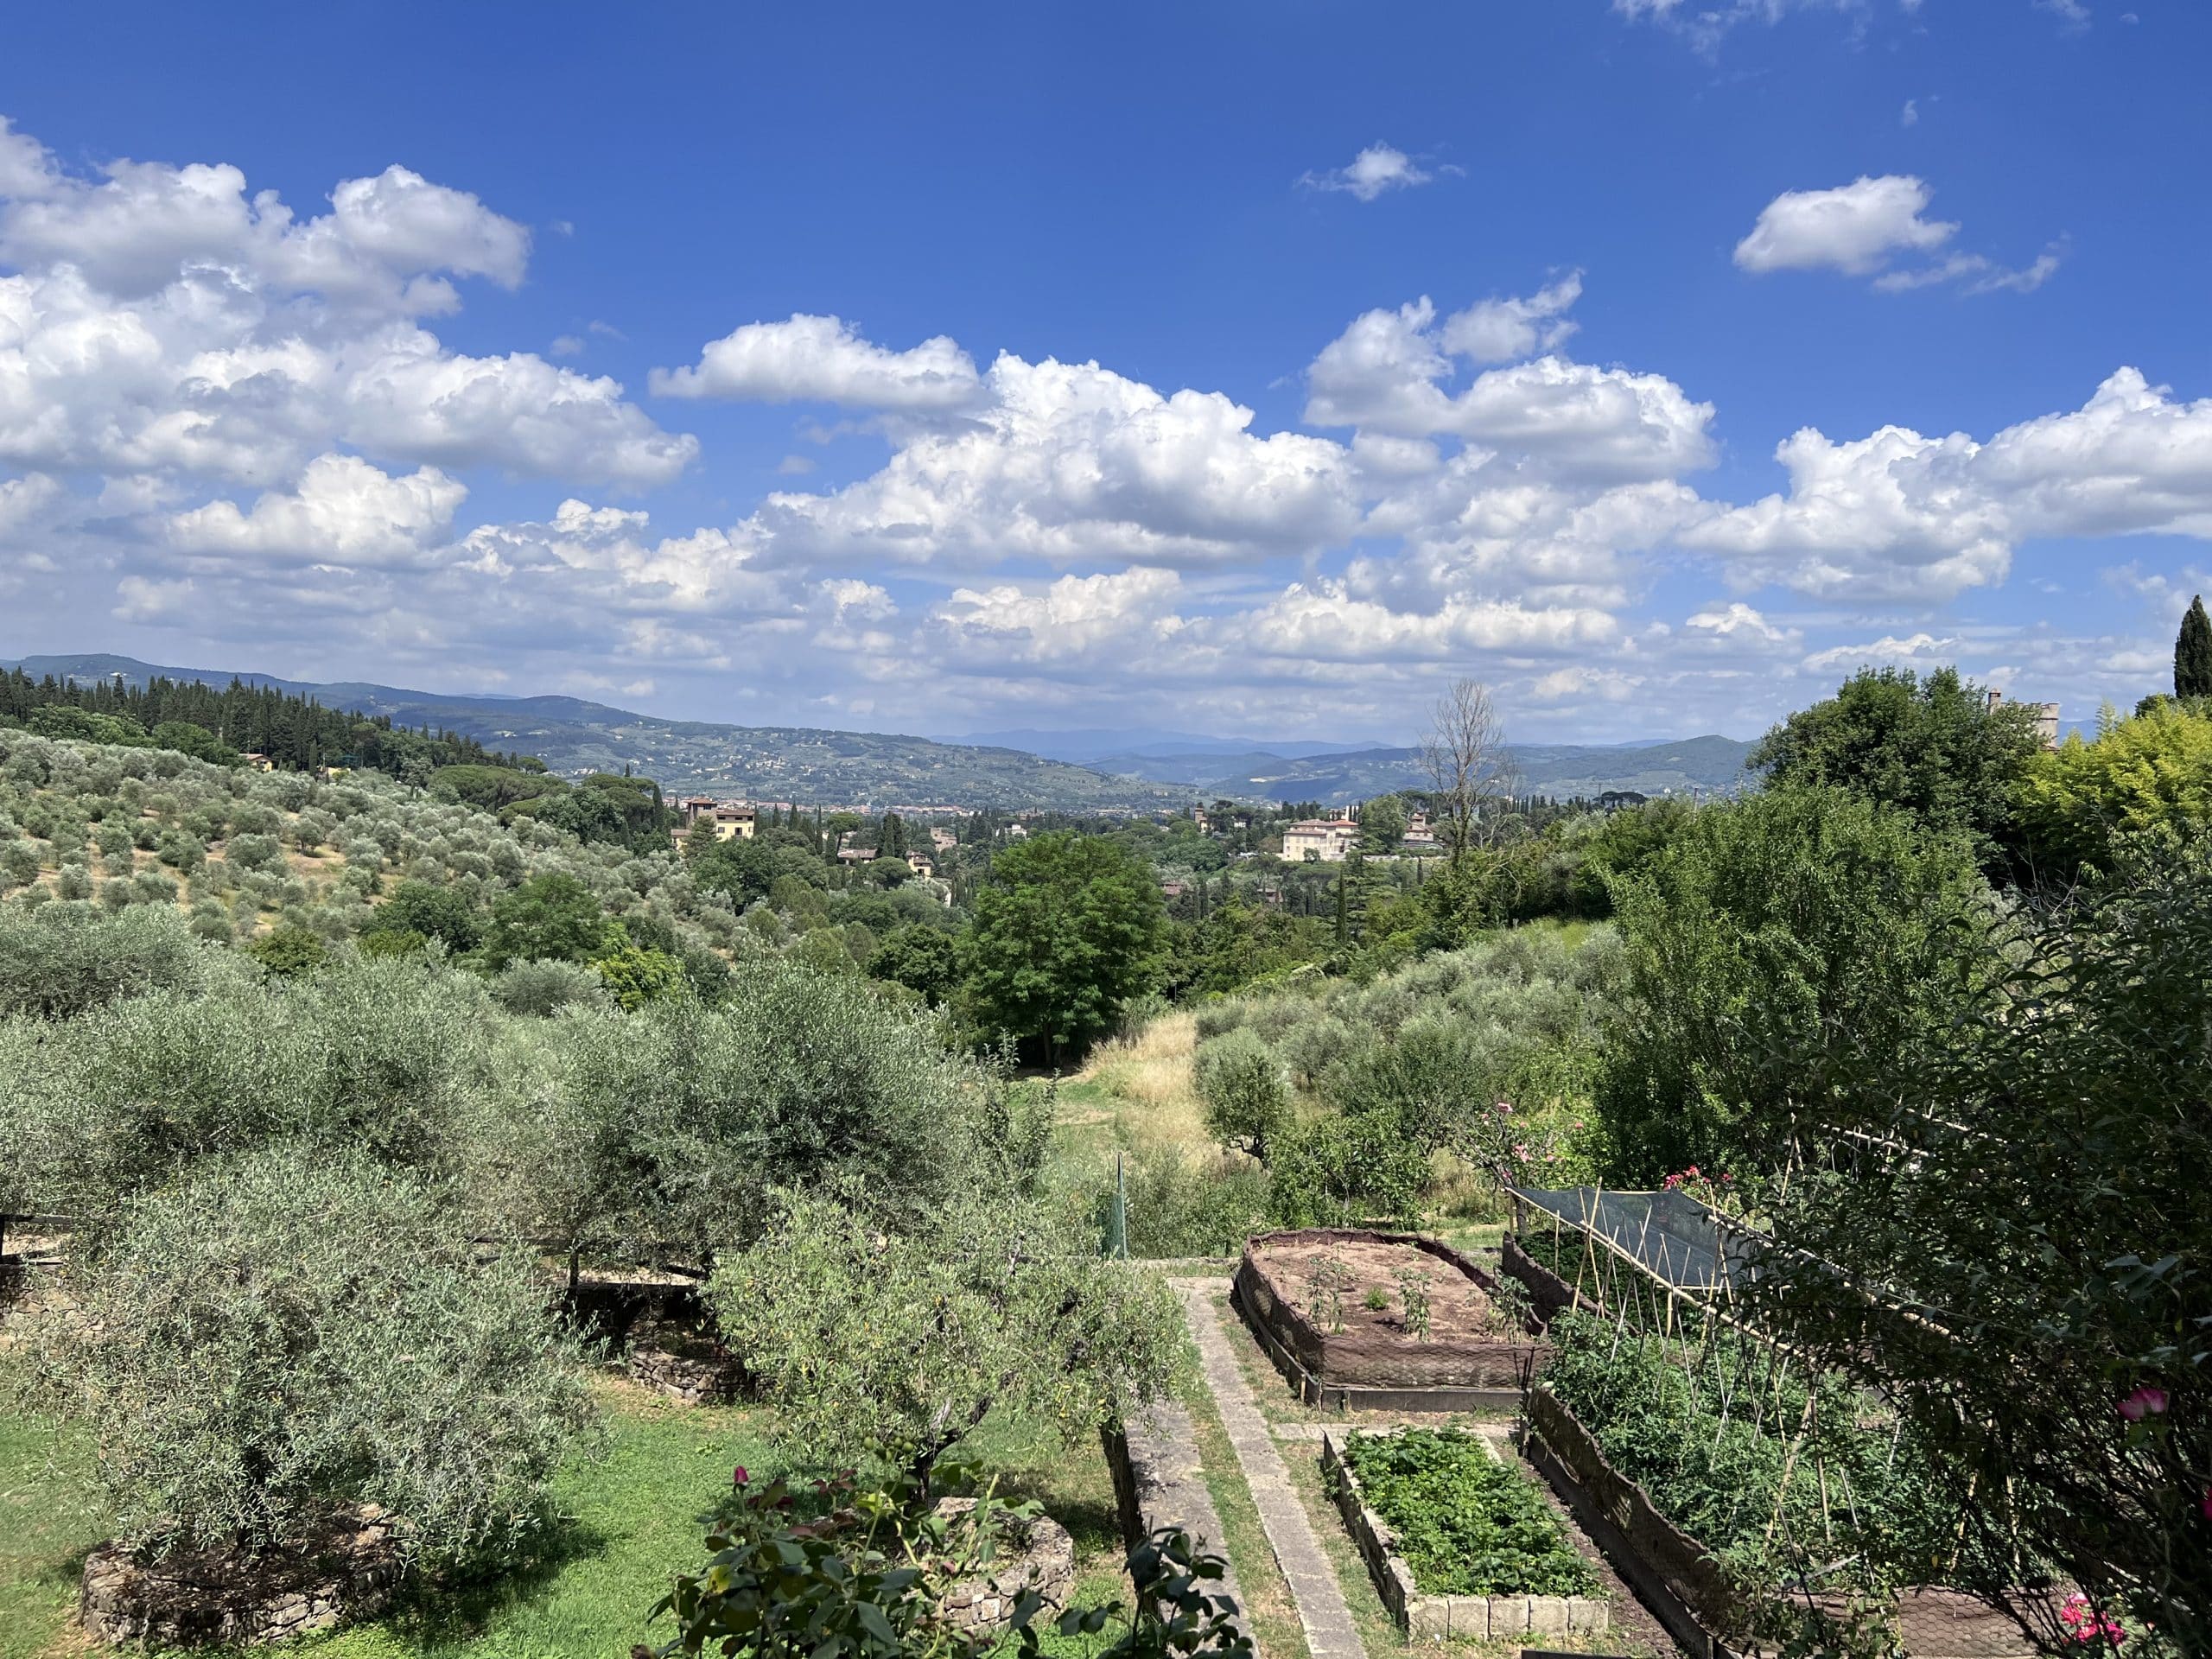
{"x": 797, "y": 764}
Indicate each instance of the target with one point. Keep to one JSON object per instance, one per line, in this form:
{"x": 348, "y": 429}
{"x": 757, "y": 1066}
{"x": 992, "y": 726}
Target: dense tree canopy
{"x": 2008, "y": 1235}
{"x": 1067, "y": 932}
{"x": 1766, "y": 946}
{"x": 1930, "y": 747}
{"x": 2150, "y": 771}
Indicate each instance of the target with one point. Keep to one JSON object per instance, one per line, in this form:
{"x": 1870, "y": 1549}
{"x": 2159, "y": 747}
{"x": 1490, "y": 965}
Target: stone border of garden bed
{"x": 1287, "y": 1337}
{"x": 1679, "y": 1580}
{"x": 1435, "y": 1618}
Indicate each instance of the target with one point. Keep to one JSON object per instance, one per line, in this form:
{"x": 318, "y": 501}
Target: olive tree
{"x": 1240, "y": 1083}
{"x": 868, "y": 1337}
{"x": 288, "y": 1333}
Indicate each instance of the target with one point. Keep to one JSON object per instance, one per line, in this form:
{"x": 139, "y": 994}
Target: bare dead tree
{"x": 1467, "y": 762}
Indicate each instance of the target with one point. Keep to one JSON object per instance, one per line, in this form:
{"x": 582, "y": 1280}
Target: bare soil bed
{"x": 1297, "y": 1265}
{"x": 1305, "y": 1295}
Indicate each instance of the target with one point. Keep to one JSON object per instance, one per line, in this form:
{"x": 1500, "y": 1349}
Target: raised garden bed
{"x": 1311, "y": 1298}
{"x": 1707, "y": 1612}
{"x": 1458, "y": 1544}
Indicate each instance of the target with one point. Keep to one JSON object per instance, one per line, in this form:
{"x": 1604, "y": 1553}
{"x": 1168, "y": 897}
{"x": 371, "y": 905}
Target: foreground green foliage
{"x": 1773, "y": 943}
{"x": 834, "y": 1566}
{"x": 2151, "y": 773}
{"x": 290, "y": 1334}
{"x": 1466, "y": 1525}
{"x": 2010, "y": 1239}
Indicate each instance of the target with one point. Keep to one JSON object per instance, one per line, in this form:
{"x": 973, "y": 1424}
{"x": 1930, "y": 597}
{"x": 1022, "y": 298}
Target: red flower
{"x": 738, "y": 1476}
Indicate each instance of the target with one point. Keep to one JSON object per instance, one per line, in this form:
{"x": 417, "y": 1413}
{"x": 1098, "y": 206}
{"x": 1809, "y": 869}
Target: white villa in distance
{"x": 1326, "y": 840}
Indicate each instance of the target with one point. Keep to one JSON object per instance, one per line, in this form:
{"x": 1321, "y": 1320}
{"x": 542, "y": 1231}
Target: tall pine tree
{"x": 2193, "y": 654}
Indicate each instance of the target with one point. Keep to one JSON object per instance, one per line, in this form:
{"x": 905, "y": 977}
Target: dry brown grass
{"x": 1143, "y": 1084}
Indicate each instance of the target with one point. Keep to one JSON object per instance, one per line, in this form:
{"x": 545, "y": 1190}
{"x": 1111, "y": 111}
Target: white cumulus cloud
{"x": 344, "y": 511}
{"x": 823, "y": 360}
{"x": 1375, "y": 171}
{"x": 1854, "y": 228}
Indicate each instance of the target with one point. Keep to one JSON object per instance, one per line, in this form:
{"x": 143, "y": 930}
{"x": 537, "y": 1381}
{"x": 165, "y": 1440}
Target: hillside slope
{"x": 1559, "y": 769}
{"x": 799, "y": 763}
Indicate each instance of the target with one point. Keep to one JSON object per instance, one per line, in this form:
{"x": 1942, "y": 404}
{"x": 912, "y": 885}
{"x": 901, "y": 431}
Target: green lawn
{"x": 43, "y": 1534}
{"x": 631, "y": 1523}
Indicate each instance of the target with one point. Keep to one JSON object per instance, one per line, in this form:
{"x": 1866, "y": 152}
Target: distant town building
{"x": 259, "y": 761}
{"x": 919, "y": 864}
{"x": 1327, "y": 840}
{"x": 943, "y": 839}
{"x": 856, "y": 854}
{"x": 731, "y": 821}
{"x": 2046, "y": 716}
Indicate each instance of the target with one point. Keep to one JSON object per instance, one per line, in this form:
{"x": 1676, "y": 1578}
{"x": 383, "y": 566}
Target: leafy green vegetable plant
{"x": 1466, "y": 1525}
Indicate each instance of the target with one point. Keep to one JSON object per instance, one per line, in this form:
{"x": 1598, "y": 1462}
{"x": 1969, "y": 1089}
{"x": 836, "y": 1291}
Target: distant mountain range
{"x": 1565, "y": 770}
{"x": 1105, "y": 746}
{"x": 799, "y": 763}
{"x": 1105, "y": 769}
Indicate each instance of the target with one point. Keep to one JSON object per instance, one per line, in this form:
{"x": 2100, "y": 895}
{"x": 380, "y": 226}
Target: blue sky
{"x": 1232, "y": 367}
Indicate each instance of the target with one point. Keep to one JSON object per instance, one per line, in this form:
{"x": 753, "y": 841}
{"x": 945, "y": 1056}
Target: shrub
{"x": 1428, "y": 1077}
{"x": 387, "y": 1060}
{"x": 435, "y": 912}
{"x": 1314, "y": 1044}
{"x": 253, "y": 852}
{"x": 66, "y": 959}
{"x": 542, "y": 987}
{"x": 290, "y": 951}
{"x": 1339, "y": 1170}
{"x": 294, "y": 1332}
{"x": 1185, "y": 1206}
{"x": 634, "y": 977}
{"x": 552, "y": 917}
{"x": 1240, "y": 1083}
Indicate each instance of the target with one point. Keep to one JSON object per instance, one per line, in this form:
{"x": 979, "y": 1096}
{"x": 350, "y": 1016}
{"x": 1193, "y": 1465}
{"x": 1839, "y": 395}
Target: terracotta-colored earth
{"x": 1458, "y": 1308}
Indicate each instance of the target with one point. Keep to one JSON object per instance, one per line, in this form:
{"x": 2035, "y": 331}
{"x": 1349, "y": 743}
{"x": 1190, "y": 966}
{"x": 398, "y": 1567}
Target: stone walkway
{"x": 1330, "y": 1633}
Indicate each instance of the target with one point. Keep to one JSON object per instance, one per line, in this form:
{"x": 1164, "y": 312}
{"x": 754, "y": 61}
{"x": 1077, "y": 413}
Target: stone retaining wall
{"x": 1159, "y": 1481}
{"x": 188, "y": 1600}
{"x": 1437, "y": 1619}
{"x": 1036, "y": 1554}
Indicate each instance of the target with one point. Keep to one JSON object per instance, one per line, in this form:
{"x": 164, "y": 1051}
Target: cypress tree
{"x": 2193, "y": 654}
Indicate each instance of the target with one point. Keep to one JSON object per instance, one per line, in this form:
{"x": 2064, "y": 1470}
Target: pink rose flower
{"x": 2145, "y": 1402}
